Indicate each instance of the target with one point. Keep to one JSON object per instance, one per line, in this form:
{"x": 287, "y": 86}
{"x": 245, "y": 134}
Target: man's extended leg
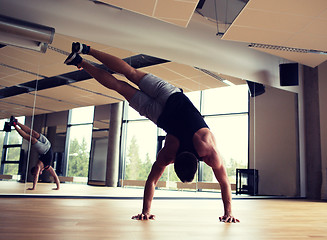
{"x": 154, "y": 92}
{"x": 25, "y": 132}
{"x": 29, "y": 131}
{"x": 151, "y": 85}
{"x": 118, "y": 65}
{"x": 112, "y": 62}
{"x": 102, "y": 76}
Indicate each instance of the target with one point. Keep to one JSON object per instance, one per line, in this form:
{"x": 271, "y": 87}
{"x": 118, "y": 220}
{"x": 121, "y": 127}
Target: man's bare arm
{"x": 206, "y": 147}
{"x": 226, "y": 194}
{"x": 55, "y": 177}
{"x": 165, "y": 157}
{"x": 36, "y": 178}
{"x": 149, "y": 189}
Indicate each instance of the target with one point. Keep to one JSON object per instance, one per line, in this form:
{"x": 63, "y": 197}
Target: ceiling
{"x": 170, "y": 11}
{"x": 293, "y": 23}
{"x": 23, "y": 66}
{"x": 173, "y": 30}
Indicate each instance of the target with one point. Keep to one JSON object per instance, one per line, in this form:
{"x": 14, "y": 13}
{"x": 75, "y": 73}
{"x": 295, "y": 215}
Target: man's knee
{"x": 125, "y": 89}
{"x": 135, "y": 76}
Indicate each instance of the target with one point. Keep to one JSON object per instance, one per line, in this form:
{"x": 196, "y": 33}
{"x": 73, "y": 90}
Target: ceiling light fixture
{"x": 24, "y": 34}
{"x": 287, "y": 49}
{"x": 215, "y": 76}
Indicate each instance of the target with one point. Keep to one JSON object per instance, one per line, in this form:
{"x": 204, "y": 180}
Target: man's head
{"x": 185, "y": 166}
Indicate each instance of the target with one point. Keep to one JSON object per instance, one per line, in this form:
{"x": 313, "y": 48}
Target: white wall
{"x": 273, "y": 142}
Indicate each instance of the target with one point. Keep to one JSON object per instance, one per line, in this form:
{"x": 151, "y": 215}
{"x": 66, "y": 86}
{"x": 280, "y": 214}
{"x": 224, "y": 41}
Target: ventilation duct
{"x": 24, "y": 34}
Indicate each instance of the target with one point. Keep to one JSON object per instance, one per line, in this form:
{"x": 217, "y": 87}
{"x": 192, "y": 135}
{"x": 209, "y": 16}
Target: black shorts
{"x": 47, "y": 158}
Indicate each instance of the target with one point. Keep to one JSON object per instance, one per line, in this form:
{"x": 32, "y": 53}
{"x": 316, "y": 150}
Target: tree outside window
{"x": 78, "y": 158}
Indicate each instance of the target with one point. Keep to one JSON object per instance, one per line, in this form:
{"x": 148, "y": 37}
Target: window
{"x": 83, "y": 115}
{"x": 225, "y": 100}
{"x": 231, "y": 133}
{"x": 195, "y": 98}
{"x": 140, "y": 151}
{"x": 2, "y": 136}
{"x": 10, "y": 147}
{"x": 225, "y": 111}
{"x": 79, "y": 134}
{"x": 133, "y": 115}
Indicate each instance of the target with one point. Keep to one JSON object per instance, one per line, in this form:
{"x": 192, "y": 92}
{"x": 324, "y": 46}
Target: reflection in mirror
{"x": 226, "y": 110}
{"x": 219, "y": 119}
{"x": 21, "y": 48}
{"x": 15, "y": 150}
{"x": 231, "y": 132}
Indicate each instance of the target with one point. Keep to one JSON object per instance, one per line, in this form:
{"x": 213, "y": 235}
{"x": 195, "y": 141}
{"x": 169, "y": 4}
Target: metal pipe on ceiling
{"x": 25, "y": 34}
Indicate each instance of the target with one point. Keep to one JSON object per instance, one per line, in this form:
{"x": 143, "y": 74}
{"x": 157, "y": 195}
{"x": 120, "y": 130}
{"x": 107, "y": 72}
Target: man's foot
{"x": 73, "y": 59}
{"x": 7, "y": 127}
{"x": 13, "y": 121}
{"x": 80, "y": 48}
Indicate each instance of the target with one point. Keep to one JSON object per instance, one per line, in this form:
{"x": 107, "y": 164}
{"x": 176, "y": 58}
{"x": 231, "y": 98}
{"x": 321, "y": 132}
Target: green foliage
{"x": 207, "y": 173}
{"x": 172, "y": 175}
{"x": 133, "y": 162}
{"x": 13, "y": 154}
{"x": 231, "y": 166}
{"x": 78, "y": 158}
{"x": 147, "y": 165}
{"x": 136, "y": 169}
{"x": 11, "y": 169}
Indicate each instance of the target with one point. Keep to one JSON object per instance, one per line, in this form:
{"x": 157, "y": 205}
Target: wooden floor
{"x": 37, "y": 217}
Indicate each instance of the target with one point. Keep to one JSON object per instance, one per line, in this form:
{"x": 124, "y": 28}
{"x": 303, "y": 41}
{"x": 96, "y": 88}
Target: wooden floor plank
{"x": 59, "y": 218}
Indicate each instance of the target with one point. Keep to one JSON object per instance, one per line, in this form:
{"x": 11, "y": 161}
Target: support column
{"x": 116, "y": 114}
{"x": 312, "y": 133}
{"x": 51, "y": 134}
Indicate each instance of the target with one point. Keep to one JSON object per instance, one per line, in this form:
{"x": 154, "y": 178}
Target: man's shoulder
{"x": 203, "y": 132}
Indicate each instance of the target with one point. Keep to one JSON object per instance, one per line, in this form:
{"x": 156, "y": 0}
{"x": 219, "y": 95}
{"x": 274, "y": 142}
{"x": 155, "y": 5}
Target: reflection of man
{"x": 188, "y": 136}
{"x": 42, "y": 146}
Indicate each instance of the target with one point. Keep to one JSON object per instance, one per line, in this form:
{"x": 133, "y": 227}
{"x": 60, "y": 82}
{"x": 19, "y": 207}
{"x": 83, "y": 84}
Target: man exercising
{"x": 188, "y": 136}
{"x": 44, "y": 149}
